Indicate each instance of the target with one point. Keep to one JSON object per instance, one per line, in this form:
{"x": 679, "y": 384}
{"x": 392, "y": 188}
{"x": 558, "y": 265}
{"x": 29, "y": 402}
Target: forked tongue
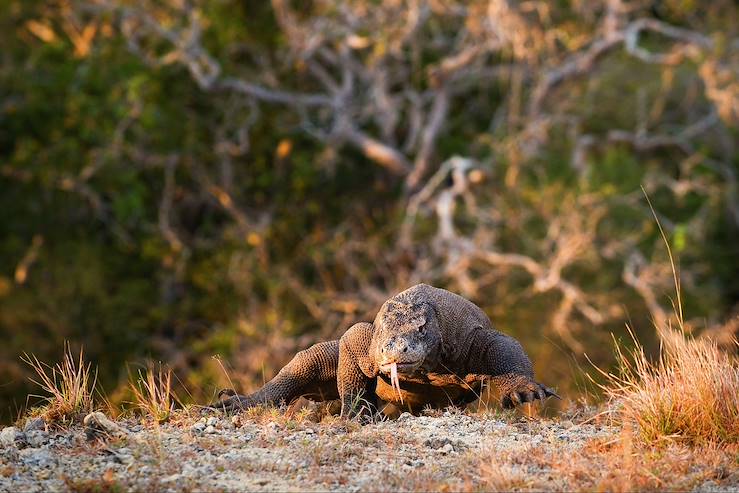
{"x": 394, "y": 381}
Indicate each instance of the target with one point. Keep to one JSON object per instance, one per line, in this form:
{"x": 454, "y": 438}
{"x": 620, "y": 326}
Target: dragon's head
{"x": 406, "y": 336}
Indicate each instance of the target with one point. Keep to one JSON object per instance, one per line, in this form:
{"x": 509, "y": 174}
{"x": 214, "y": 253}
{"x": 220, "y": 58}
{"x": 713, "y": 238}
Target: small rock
{"x": 236, "y": 420}
{"x": 405, "y": 417}
{"x": 437, "y": 443}
{"x": 447, "y": 449}
{"x": 209, "y": 430}
{"x": 98, "y": 425}
{"x": 272, "y": 426}
{"x": 198, "y": 427}
{"x": 36, "y": 438}
{"x": 172, "y": 478}
{"x": 121, "y": 457}
{"x": 12, "y": 437}
{"x": 35, "y": 424}
{"x": 212, "y": 421}
{"x": 7, "y": 436}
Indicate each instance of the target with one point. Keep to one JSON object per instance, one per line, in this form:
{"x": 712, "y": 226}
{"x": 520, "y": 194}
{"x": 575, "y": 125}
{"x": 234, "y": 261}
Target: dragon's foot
{"x": 229, "y": 401}
{"x": 524, "y": 389}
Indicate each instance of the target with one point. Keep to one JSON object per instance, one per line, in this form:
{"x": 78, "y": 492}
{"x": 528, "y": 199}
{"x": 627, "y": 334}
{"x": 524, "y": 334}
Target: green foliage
{"x": 617, "y": 173}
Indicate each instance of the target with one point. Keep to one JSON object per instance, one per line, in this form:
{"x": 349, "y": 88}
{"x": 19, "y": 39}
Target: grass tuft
{"x": 152, "y": 392}
{"x": 70, "y": 385}
{"x": 690, "y": 393}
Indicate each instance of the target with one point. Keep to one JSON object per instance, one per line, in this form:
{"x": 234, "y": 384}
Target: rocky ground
{"x": 271, "y": 451}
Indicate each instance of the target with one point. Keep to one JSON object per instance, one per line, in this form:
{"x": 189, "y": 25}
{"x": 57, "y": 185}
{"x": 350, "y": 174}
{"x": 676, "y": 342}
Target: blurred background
{"x": 181, "y": 180}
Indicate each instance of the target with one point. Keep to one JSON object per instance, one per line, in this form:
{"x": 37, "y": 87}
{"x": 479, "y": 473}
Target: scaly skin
{"x": 442, "y": 345}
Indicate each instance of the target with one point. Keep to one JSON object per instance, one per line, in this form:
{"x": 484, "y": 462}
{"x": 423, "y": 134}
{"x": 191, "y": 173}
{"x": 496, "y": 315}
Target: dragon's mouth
{"x": 392, "y": 370}
{"x": 401, "y": 367}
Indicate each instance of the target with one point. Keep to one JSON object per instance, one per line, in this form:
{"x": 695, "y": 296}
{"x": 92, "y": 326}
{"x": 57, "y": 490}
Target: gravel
{"x": 242, "y": 454}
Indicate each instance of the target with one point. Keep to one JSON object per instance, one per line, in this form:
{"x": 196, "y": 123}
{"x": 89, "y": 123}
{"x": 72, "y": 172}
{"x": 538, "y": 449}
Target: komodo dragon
{"x": 426, "y": 347}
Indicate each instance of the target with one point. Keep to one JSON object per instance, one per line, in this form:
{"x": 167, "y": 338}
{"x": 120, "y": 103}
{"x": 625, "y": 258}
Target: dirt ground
{"x": 270, "y": 451}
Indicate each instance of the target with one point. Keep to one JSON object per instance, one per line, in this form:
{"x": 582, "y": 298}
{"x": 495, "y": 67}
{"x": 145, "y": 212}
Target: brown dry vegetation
{"x": 70, "y": 386}
{"x": 689, "y": 394}
{"x": 616, "y": 463}
{"x": 152, "y": 391}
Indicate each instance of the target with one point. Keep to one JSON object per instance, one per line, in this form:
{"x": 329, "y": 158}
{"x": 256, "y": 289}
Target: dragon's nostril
{"x": 405, "y": 349}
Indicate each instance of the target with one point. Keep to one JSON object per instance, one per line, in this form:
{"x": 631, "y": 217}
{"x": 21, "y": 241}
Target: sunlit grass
{"x": 152, "y": 393}
{"x": 689, "y": 393}
{"x": 69, "y": 385}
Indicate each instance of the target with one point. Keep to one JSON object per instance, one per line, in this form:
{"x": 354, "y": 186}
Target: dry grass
{"x": 70, "y": 385}
{"x": 152, "y": 393}
{"x": 626, "y": 465}
{"x": 616, "y": 464}
{"x": 93, "y": 485}
{"x": 690, "y": 393}
{"x": 500, "y": 475}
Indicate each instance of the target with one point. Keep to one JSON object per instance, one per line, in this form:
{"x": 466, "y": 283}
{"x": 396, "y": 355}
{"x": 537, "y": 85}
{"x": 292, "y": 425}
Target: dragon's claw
{"x": 528, "y": 391}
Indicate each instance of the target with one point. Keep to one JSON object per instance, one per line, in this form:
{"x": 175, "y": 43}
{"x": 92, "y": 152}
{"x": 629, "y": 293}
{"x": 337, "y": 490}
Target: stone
{"x": 212, "y": 421}
{"x": 37, "y": 438}
{"x": 12, "y": 437}
{"x": 34, "y": 424}
{"x": 122, "y": 455}
{"x": 172, "y": 478}
{"x": 209, "y": 430}
{"x": 124, "y": 459}
{"x": 98, "y": 425}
